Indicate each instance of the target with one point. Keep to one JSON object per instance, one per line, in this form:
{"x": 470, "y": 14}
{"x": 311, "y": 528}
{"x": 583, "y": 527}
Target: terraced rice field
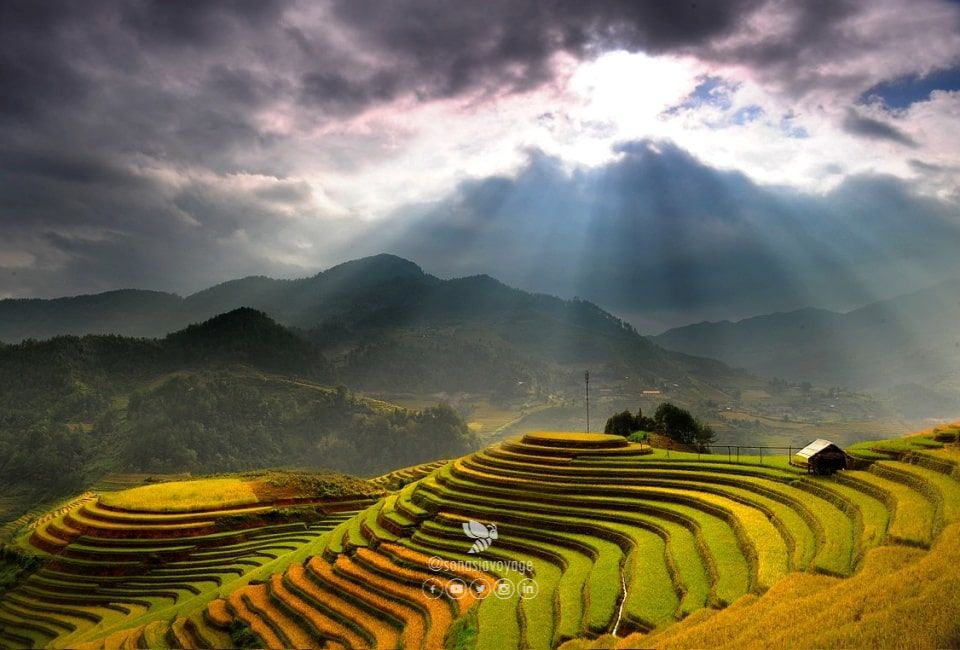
{"x": 400, "y": 477}
{"x": 618, "y": 539}
{"x": 142, "y": 576}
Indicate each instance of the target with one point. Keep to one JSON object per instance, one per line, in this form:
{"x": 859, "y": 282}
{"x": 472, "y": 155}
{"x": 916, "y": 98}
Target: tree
{"x": 675, "y": 423}
{"x": 643, "y": 423}
{"x": 621, "y": 424}
{"x": 678, "y": 424}
{"x": 705, "y": 435}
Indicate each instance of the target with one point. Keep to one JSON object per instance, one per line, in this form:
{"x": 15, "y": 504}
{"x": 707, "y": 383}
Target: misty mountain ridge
{"x": 139, "y": 312}
{"x": 382, "y": 324}
{"x": 247, "y": 336}
{"x": 386, "y": 325}
{"x": 239, "y": 388}
{"x": 906, "y": 348}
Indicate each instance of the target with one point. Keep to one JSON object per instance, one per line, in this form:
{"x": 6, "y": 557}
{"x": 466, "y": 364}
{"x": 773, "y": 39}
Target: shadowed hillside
{"x": 236, "y": 392}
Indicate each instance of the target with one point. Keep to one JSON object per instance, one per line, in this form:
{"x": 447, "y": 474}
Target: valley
{"x": 137, "y": 510}
{"x": 372, "y": 364}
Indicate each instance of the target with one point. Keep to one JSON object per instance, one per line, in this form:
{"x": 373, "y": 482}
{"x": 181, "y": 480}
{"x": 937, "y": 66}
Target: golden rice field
{"x": 184, "y": 496}
{"x": 400, "y": 477}
{"x": 628, "y": 547}
{"x": 130, "y": 567}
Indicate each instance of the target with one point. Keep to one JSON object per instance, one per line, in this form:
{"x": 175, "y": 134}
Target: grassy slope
{"x": 235, "y": 392}
{"x": 928, "y": 440}
{"x": 308, "y": 405}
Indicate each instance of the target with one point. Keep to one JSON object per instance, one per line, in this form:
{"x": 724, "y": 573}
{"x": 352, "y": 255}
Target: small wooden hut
{"x": 821, "y": 457}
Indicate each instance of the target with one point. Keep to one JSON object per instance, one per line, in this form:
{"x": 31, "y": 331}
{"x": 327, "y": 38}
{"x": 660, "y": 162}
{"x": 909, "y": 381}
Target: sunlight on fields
{"x": 900, "y": 597}
{"x": 574, "y": 438}
{"x": 202, "y": 494}
{"x": 487, "y": 418}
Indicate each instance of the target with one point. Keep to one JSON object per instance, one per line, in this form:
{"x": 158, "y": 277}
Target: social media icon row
{"x": 503, "y": 588}
{"x": 456, "y": 589}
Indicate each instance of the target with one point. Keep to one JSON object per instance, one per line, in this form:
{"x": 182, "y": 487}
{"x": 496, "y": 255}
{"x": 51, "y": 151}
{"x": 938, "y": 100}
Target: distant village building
{"x": 821, "y": 457}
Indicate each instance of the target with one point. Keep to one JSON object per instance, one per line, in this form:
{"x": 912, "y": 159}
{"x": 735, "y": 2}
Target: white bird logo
{"x": 483, "y": 533}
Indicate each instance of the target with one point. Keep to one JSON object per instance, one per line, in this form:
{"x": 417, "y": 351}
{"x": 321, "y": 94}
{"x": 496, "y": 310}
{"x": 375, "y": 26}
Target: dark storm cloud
{"x": 91, "y": 232}
{"x": 663, "y": 239}
{"x": 442, "y": 49}
{"x": 124, "y": 125}
{"x": 54, "y": 54}
{"x": 154, "y": 143}
{"x": 34, "y": 74}
{"x": 151, "y": 67}
{"x": 875, "y": 129}
{"x": 289, "y": 193}
{"x": 925, "y": 167}
{"x": 70, "y": 166}
{"x": 144, "y": 76}
{"x": 340, "y": 95}
{"x": 57, "y": 55}
{"x": 815, "y": 32}
{"x": 237, "y": 86}
{"x": 186, "y": 23}
{"x": 842, "y": 48}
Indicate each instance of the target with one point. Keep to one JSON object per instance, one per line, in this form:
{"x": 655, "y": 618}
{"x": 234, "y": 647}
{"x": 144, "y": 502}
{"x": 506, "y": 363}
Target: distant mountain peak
{"x": 382, "y": 263}
{"x": 481, "y": 279}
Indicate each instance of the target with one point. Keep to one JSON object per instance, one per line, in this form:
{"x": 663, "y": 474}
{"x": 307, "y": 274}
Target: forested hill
{"x": 236, "y": 392}
{"x": 247, "y": 336}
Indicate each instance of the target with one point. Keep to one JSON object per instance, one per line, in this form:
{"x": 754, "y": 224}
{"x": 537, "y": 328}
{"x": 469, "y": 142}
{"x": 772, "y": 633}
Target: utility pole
{"x": 586, "y": 378}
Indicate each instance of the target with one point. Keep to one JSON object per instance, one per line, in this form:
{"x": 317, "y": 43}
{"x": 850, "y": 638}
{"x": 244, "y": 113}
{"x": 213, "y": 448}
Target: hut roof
{"x": 816, "y": 447}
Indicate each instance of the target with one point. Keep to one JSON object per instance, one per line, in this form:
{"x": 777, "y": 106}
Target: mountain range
{"x": 261, "y": 372}
{"x": 906, "y": 349}
{"x": 385, "y": 325}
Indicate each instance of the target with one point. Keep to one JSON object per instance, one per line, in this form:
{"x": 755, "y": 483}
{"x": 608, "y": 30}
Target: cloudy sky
{"x": 672, "y": 161}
